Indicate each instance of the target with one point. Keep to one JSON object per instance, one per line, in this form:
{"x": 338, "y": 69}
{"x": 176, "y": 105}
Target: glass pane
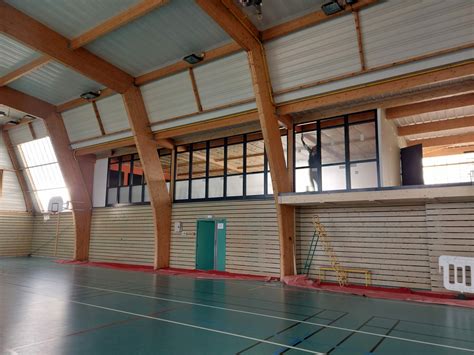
{"x": 146, "y": 195}
{"x": 306, "y": 180}
{"x": 269, "y": 184}
{"x": 168, "y": 184}
{"x": 136, "y": 194}
{"x": 46, "y": 195}
{"x": 306, "y": 149}
{"x": 124, "y": 195}
{"x": 235, "y": 185}
{"x": 255, "y": 183}
{"x": 255, "y": 156}
{"x": 125, "y": 173}
{"x": 47, "y": 177}
{"x": 216, "y": 161}
{"x": 284, "y": 143}
{"x": 334, "y": 177}
{"x": 181, "y": 192}
{"x": 182, "y": 166}
{"x": 38, "y": 152}
{"x": 113, "y": 173}
{"x": 166, "y": 165}
{"x": 362, "y": 141}
{"x": 137, "y": 173}
{"x": 199, "y": 164}
{"x": 216, "y": 187}
{"x": 235, "y": 162}
{"x": 198, "y": 188}
{"x": 362, "y": 116}
{"x": 332, "y": 146}
{"x": 364, "y": 175}
{"x": 112, "y": 196}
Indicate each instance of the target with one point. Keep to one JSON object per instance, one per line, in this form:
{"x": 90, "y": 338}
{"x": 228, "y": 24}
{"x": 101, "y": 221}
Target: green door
{"x": 220, "y": 248}
{"x": 206, "y": 231}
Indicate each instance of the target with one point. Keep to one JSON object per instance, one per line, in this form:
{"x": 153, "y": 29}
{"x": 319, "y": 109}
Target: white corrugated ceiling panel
{"x": 319, "y": 52}
{"x": 71, "y": 18}
{"x": 81, "y": 123}
{"x": 224, "y": 81}
{"x": 169, "y": 97}
{"x": 39, "y": 128}
{"x": 55, "y": 84}
{"x": 113, "y": 114}
{"x": 396, "y": 30}
{"x": 161, "y": 37}
{"x": 13, "y": 55}
{"x": 445, "y": 133}
{"x": 20, "y": 134}
{"x": 436, "y": 116}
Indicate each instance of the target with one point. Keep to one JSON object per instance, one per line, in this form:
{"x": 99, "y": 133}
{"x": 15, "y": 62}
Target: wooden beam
{"x": 32, "y": 130}
{"x": 131, "y": 14}
{"x": 167, "y": 143}
{"x": 447, "y": 150}
{"x": 34, "y": 34}
{"x": 383, "y": 87}
{"x": 286, "y": 121}
{"x": 436, "y": 126}
{"x": 24, "y": 70}
{"x": 19, "y": 173}
{"x": 309, "y": 20}
{"x": 97, "y": 117}
{"x": 195, "y": 90}
{"x": 446, "y": 140}
{"x": 360, "y": 43}
{"x": 80, "y": 101}
{"x": 237, "y": 29}
{"x": 181, "y": 66}
{"x": 25, "y": 103}
{"x": 156, "y": 182}
{"x": 430, "y": 106}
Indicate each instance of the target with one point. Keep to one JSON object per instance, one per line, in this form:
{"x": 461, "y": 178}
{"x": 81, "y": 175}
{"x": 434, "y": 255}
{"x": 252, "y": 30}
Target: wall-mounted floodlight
{"x": 331, "y": 7}
{"x": 90, "y": 95}
{"x": 3, "y": 114}
{"x": 194, "y": 58}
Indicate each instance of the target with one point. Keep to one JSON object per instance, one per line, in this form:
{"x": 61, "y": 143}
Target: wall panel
{"x": 81, "y": 123}
{"x": 113, "y": 114}
{"x": 122, "y": 235}
{"x": 16, "y": 230}
{"x": 44, "y": 236}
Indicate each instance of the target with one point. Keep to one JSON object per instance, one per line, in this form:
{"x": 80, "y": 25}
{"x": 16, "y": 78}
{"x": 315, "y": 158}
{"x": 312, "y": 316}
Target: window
{"x": 338, "y": 153}
{"x": 232, "y": 167}
{"x": 126, "y": 181}
{"x": 42, "y": 169}
{"x": 449, "y": 169}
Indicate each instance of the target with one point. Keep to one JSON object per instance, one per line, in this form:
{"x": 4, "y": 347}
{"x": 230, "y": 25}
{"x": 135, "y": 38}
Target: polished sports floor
{"x": 49, "y": 308}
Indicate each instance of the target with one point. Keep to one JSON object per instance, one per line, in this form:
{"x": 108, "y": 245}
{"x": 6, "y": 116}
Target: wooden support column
{"x": 19, "y": 173}
{"x": 226, "y": 14}
{"x": 159, "y": 196}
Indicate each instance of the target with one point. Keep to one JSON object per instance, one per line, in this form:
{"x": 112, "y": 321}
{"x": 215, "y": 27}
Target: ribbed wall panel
{"x": 252, "y": 244}
{"x": 113, "y": 114}
{"x": 396, "y": 30}
{"x": 122, "y": 235}
{"x": 81, "y": 123}
{"x": 44, "y": 236}
{"x": 169, "y": 97}
{"x": 20, "y": 134}
{"x": 315, "y": 53}
{"x": 39, "y": 128}
{"x": 450, "y": 228}
{"x": 11, "y": 197}
{"x": 16, "y": 230}
{"x": 390, "y": 241}
{"x": 224, "y": 81}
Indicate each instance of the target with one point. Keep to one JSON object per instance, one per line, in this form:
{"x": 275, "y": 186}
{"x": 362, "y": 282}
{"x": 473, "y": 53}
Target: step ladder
{"x": 321, "y": 235}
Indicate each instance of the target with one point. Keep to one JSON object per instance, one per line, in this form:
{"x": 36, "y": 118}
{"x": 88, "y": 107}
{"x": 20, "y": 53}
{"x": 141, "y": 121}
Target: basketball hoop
{"x": 55, "y": 207}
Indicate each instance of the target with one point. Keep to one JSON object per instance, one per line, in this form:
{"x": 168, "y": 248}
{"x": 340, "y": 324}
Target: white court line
{"x": 280, "y": 318}
{"x": 12, "y": 351}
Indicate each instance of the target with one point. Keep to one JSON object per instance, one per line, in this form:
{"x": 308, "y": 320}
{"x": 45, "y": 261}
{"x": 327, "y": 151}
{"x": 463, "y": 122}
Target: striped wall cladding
{"x": 16, "y": 231}
{"x": 252, "y": 245}
{"x": 11, "y": 197}
{"x": 396, "y": 30}
{"x": 390, "y": 241}
{"x": 44, "y": 236}
{"x": 450, "y": 227}
{"x": 81, "y": 123}
{"x": 123, "y": 235}
{"x": 224, "y": 81}
{"x": 315, "y": 53}
{"x": 113, "y": 114}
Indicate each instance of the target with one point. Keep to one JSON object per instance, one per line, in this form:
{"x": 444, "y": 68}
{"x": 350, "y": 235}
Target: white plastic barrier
{"x": 461, "y": 282}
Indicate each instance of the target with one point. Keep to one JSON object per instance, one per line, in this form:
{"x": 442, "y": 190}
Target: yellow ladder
{"x": 341, "y": 274}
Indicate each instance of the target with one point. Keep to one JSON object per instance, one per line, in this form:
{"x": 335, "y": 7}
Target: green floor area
{"x": 49, "y": 308}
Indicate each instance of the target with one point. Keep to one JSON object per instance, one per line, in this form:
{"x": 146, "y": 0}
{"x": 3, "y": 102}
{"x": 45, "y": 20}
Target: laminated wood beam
{"x": 436, "y": 126}
{"x": 34, "y": 34}
{"x": 159, "y": 196}
{"x": 24, "y": 70}
{"x": 225, "y": 14}
{"x": 70, "y": 168}
{"x": 446, "y": 140}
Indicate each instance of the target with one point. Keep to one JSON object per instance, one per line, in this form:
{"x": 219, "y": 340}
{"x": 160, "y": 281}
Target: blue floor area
{"x": 49, "y": 308}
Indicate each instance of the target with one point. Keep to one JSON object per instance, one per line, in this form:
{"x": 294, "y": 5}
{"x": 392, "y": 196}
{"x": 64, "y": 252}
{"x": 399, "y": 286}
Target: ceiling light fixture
{"x": 90, "y": 95}
{"x": 3, "y": 114}
{"x": 194, "y": 58}
{"x": 331, "y": 8}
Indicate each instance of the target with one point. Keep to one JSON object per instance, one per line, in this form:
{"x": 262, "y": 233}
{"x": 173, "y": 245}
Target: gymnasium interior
{"x": 237, "y": 177}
